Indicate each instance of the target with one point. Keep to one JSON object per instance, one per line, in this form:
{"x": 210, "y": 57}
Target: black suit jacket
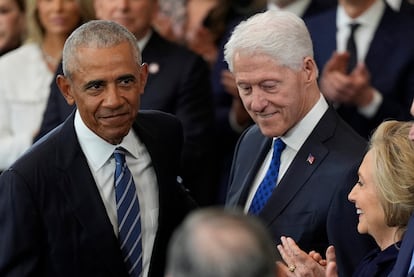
{"x": 407, "y": 7}
{"x": 52, "y": 219}
{"x": 310, "y": 203}
{"x": 178, "y": 83}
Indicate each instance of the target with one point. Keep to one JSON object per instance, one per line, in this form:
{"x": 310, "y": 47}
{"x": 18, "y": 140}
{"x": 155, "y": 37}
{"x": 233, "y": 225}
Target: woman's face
{"x": 59, "y": 17}
{"x": 367, "y": 202}
{"x": 12, "y": 24}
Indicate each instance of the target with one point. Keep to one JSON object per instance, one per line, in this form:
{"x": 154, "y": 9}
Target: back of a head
{"x": 279, "y": 34}
{"x": 213, "y": 242}
{"x": 97, "y": 34}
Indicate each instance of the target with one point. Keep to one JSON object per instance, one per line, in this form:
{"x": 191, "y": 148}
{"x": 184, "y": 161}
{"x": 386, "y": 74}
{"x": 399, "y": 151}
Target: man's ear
{"x": 65, "y": 88}
{"x": 310, "y": 69}
{"x": 143, "y": 76}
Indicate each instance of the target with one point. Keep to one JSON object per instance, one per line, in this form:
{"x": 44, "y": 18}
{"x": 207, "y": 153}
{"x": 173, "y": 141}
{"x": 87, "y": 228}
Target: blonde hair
{"x": 36, "y": 32}
{"x": 393, "y": 155}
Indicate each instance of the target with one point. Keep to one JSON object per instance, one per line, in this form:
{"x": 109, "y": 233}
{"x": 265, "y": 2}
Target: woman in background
{"x": 12, "y": 24}
{"x": 26, "y": 72}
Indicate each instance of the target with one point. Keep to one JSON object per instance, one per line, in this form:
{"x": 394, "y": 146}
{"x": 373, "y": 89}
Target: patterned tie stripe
{"x": 129, "y": 216}
{"x": 268, "y": 183}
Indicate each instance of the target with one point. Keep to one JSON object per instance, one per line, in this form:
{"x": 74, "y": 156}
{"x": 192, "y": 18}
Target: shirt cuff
{"x": 370, "y": 110}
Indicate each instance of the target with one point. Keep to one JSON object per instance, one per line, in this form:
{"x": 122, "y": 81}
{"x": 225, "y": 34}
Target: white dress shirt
{"x": 101, "y": 161}
{"x": 294, "y": 139}
{"x": 369, "y": 22}
{"x": 395, "y": 4}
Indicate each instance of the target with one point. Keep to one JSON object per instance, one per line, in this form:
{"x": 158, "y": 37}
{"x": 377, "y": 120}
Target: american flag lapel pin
{"x": 310, "y": 158}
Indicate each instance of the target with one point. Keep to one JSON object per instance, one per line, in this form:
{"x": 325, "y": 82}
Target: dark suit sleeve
{"x": 20, "y": 228}
{"x": 56, "y": 108}
{"x": 196, "y": 113}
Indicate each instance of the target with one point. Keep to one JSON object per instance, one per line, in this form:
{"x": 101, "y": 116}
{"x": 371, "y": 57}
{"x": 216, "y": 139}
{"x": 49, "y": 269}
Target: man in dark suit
{"x": 231, "y": 117}
{"x": 381, "y": 85}
{"x": 276, "y": 77}
{"x": 178, "y": 83}
{"x": 58, "y": 213}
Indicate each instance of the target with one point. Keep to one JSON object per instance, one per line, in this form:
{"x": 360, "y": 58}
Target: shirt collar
{"x": 144, "y": 40}
{"x": 296, "y": 136}
{"x": 97, "y": 150}
{"x": 370, "y": 17}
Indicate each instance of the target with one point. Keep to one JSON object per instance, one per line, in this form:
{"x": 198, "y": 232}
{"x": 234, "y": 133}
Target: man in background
{"x": 221, "y": 243}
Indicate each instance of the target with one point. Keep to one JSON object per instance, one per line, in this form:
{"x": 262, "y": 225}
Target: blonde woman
{"x": 26, "y": 72}
{"x": 383, "y": 199}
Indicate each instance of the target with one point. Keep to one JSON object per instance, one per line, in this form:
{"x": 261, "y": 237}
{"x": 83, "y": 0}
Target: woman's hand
{"x": 297, "y": 262}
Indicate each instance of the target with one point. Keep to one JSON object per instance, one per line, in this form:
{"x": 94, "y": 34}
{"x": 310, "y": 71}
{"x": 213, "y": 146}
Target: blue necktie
{"x": 269, "y": 181}
{"x": 129, "y": 219}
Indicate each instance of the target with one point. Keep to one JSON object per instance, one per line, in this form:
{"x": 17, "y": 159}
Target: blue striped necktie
{"x": 129, "y": 216}
{"x": 269, "y": 181}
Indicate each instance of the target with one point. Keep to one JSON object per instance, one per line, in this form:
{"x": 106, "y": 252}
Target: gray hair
{"x": 214, "y": 242}
{"x": 278, "y": 34}
{"x": 97, "y": 34}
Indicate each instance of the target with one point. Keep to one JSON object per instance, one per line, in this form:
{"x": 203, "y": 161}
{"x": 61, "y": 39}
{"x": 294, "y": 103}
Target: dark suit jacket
{"x": 402, "y": 264}
{"x": 390, "y": 61}
{"x": 407, "y": 7}
{"x": 310, "y": 203}
{"x": 52, "y": 219}
{"x": 178, "y": 83}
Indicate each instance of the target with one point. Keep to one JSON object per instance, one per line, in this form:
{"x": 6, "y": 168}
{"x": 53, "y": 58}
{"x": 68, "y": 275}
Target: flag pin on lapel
{"x": 153, "y": 68}
{"x": 310, "y": 158}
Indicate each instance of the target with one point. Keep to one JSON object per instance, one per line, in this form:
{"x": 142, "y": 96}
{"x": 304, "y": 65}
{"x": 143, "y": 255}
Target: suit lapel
{"x": 81, "y": 192}
{"x": 307, "y": 160}
{"x": 249, "y": 162}
{"x": 295, "y": 177}
{"x": 382, "y": 42}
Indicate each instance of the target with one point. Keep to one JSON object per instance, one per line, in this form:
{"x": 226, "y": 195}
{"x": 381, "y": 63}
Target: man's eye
{"x": 127, "y": 81}
{"x": 270, "y": 85}
{"x": 244, "y": 88}
{"x": 94, "y": 86}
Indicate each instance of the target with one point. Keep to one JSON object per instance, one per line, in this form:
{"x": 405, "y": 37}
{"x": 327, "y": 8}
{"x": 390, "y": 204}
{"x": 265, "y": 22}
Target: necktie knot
{"x": 119, "y": 155}
{"x": 353, "y": 26}
{"x": 278, "y": 147}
